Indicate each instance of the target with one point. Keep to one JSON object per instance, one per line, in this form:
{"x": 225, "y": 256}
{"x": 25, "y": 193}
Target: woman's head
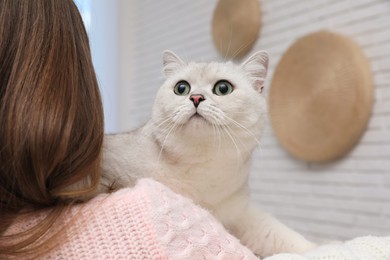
{"x": 51, "y": 118}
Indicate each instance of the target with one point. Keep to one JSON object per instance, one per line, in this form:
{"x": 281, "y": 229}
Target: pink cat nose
{"x": 196, "y": 99}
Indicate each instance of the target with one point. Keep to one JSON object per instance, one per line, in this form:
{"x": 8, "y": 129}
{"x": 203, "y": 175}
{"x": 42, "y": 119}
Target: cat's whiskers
{"x": 145, "y": 131}
{"x": 169, "y": 130}
{"x": 218, "y": 113}
{"x": 163, "y": 144}
{"x": 160, "y": 123}
{"x": 180, "y": 112}
{"x": 241, "y": 48}
{"x": 219, "y": 118}
{"x": 261, "y": 150}
{"x": 177, "y": 116}
{"x": 235, "y": 53}
{"x": 215, "y": 114}
{"x": 216, "y": 132}
{"x": 244, "y": 128}
{"x": 219, "y": 138}
{"x": 239, "y": 140}
{"x": 239, "y": 157}
{"x": 230, "y": 42}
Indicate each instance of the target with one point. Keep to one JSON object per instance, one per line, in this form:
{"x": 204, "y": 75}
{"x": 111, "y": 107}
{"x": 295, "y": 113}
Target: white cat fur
{"x": 206, "y": 157}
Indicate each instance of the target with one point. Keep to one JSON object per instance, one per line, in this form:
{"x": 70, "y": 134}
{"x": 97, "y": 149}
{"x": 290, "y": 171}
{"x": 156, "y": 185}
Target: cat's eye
{"x": 182, "y": 88}
{"x": 222, "y": 88}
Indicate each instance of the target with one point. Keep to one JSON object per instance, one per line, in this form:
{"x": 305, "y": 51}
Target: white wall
{"x": 338, "y": 200}
{"x": 103, "y": 35}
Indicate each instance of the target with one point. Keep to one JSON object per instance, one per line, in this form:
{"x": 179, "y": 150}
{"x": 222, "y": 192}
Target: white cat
{"x": 204, "y": 127}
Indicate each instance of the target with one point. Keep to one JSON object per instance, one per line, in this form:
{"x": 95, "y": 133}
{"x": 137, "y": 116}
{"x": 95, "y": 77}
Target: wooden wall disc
{"x": 321, "y": 96}
{"x": 236, "y": 26}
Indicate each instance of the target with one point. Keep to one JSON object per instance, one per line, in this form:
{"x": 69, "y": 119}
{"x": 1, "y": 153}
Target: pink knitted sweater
{"x": 147, "y": 221}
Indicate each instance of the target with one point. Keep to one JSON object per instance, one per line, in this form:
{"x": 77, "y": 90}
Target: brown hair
{"x": 51, "y": 116}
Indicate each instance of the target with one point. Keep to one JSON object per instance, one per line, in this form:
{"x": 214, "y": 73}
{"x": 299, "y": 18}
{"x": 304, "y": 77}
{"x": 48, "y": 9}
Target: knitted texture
{"x": 147, "y": 221}
{"x": 361, "y": 248}
{"x": 191, "y": 232}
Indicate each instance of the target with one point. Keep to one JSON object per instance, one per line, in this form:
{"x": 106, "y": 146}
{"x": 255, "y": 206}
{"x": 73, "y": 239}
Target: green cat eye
{"x": 222, "y": 88}
{"x": 182, "y": 88}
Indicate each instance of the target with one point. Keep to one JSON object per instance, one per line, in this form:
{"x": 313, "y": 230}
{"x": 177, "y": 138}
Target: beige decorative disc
{"x": 321, "y": 97}
{"x": 236, "y": 26}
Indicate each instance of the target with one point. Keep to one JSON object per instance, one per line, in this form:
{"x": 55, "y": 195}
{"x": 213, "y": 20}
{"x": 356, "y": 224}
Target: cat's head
{"x": 199, "y": 98}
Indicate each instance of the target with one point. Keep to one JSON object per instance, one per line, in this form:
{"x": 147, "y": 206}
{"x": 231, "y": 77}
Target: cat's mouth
{"x": 197, "y": 117}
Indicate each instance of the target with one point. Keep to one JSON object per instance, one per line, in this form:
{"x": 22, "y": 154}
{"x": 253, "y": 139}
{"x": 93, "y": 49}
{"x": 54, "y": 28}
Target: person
{"x": 51, "y": 136}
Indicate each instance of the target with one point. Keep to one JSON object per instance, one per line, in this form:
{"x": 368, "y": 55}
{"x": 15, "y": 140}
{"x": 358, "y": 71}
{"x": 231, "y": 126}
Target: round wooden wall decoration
{"x": 321, "y": 97}
{"x": 236, "y": 26}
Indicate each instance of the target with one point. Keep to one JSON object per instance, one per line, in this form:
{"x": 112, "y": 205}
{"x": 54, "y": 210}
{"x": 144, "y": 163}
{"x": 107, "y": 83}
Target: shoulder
{"x": 109, "y": 226}
{"x": 116, "y": 225}
{"x": 182, "y": 229}
{"x": 187, "y": 231}
{"x": 147, "y": 221}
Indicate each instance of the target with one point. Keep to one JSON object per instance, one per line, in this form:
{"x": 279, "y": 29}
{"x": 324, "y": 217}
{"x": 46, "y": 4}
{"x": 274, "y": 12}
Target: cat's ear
{"x": 256, "y": 67}
{"x": 171, "y": 62}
